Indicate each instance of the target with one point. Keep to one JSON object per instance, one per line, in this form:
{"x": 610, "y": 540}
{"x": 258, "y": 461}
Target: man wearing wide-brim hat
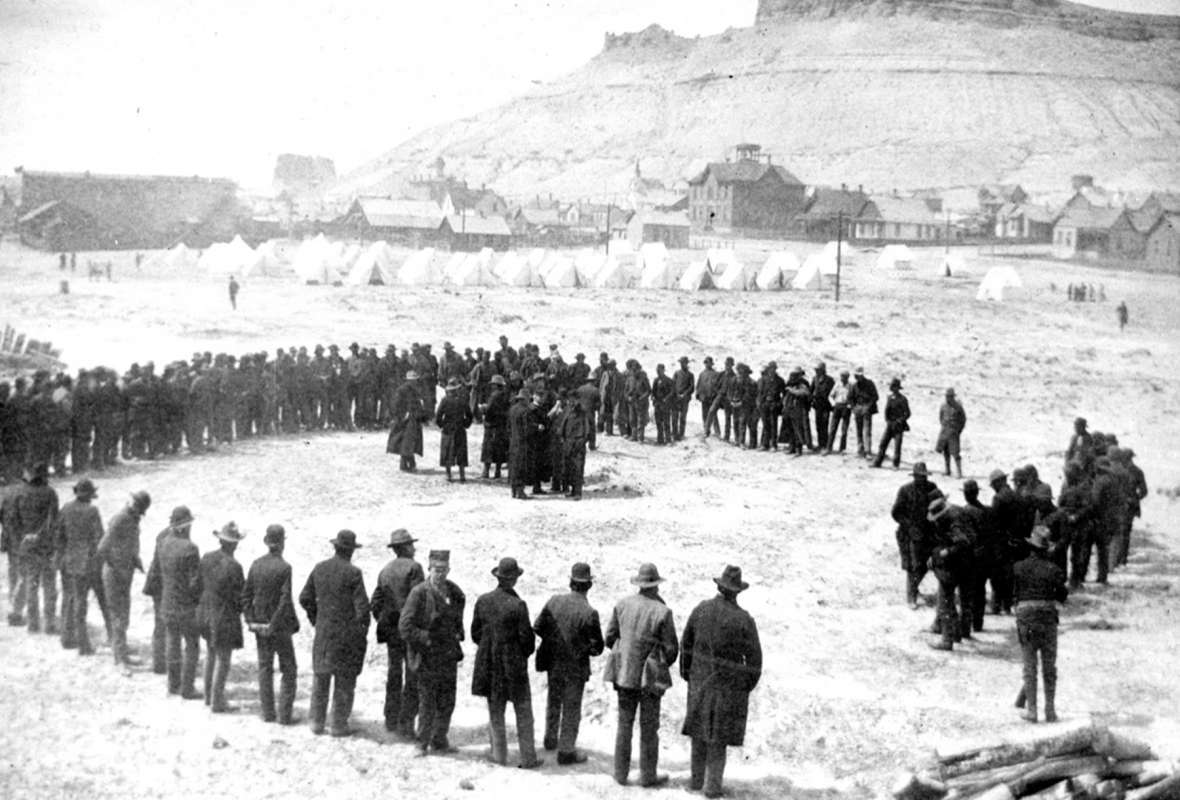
{"x": 1038, "y": 586}
{"x": 77, "y": 534}
{"x": 722, "y": 662}
{"x": 34, "y": 508}
{"x": 338, "y": 608}
{"x": 570, "y": 634}
{"x": 270, "y": 613}
{"x": 176, "y": 571}
{"x": 453, "y": 417}
{"x": 407, "y": 414}
{"x": 915, "y": 532}
{"x": 640, "y": 628}
{"x": 180, "y": 518}
{"x": 897, "y": 415}
{"x": 219, "y": 613}
{"x": 522, "y": 429}
{"x": 394, "y": 583}
{"x": 951, "y": 559}
{"x": 501, "y": 632}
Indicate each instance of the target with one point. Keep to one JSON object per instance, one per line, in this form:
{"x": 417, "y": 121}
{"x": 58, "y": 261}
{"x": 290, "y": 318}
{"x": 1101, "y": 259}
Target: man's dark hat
{"x": 647, "y": 577}
{"x": 230, "y": 533}
{"x": 274, "y": 534}
{"x": 970, "y": 485}
{"x": 580, "y": 573}
{"x": 400, "y": 536}
{"x": 996, "y": 475}
{"x": 180, "y": 516}
{"x": 508, "y": 568}
{"x": 684, "y": 359}
{"x": 141, "y": 500}
{"x": 731, "y": 579}
{"x": 440, "y": 556}
{"x": 937, "y": 508}
{"x": 85, "y": 489}
{"x": 346, "y": 539}
{"x": 920, "y": 469}
{"x": 895, "y": 383}
{"x": 39, "y": 471}
{"x": 708, "y": 359}
{"x": 1039, "y": 539}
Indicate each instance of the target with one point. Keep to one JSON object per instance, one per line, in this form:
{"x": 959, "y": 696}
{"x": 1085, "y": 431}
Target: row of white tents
{"x": 321, "y": 261}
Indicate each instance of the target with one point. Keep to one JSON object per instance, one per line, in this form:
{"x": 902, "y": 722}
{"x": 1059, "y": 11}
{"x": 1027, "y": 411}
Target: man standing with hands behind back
{"x": 394, "y": 584}
{"x": 270, "y": 613}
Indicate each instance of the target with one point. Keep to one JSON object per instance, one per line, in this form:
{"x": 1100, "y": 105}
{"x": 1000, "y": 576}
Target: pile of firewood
{"x": 1066, "y": 762}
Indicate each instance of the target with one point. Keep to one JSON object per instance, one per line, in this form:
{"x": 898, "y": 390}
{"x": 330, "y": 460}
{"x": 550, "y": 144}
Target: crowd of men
{"x": 540, "y": 413}
{"x": 972, "y": 545}
{"x": 419, "y": 616}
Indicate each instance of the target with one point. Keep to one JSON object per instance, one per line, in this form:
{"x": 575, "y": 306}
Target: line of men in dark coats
{"x": 971, "y": 545}
{"x": 419, "y": 616}
{"x": 90, "y": 421}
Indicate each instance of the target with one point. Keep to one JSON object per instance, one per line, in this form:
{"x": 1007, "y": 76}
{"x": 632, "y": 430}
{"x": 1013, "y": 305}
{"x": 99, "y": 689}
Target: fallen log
{"x": 1167, "y": 789}
{"x": 1055, "y": 769}
{"x": 1072, "y": 739}
{"x": 918, "y": 786}
{"x": 1062, "y": 790}
{"x": 1119, "y": 746}
{"x": 1141, "y": 773}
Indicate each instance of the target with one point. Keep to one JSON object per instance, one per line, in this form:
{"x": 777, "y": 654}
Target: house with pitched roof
{"x": 1025, "y": 221}
{"x": 750, "y": 194}
{"x": 1163, "y": 245}
{"x": 898, "y": 219}
{"x": 828, "y": 206}
{"x": 417, "y": 223}
{"x": 1083, "y": 229}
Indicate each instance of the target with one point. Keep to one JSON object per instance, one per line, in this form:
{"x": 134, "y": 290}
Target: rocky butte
{"x": 884, "y": 93}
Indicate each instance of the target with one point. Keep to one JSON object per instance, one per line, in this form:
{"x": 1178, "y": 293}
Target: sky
{"x": 221, "y": 88}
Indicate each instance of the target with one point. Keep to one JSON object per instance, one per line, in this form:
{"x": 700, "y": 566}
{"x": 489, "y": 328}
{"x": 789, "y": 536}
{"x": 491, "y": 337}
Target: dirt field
{"x": 850, "y": 690}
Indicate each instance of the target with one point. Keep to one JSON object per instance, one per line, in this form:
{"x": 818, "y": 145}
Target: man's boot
{"x": 1050, "y": 701}
{"x": 1030, "y": 696}
{"x": 1020, "y": 698}
{"x": 958, "y": 466}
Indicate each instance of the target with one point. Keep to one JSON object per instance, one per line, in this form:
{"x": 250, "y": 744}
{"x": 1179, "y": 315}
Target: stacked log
{"x": 1080, "y": 761}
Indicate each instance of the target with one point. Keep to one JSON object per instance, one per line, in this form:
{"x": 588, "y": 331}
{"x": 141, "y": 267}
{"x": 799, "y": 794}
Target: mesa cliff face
{"x": 840, "y": 92}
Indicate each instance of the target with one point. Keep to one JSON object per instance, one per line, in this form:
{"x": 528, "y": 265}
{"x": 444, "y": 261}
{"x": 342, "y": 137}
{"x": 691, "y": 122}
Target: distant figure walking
{"x": 1122, "y": 312}
{"x": 61, "y": 262}
{"x": 233, "y": 292}
{"x": 110, "y": 271}
{"x": 73, "y": 262}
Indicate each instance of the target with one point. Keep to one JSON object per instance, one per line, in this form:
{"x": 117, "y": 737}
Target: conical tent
{"x": 420, "y": 269}
{"x": 738, "y": 277}
{"x": 951, "y": 264}
{"x": 808, "y": 276}
{"x": 179, "y": 259}
{"x": 895, "y": 256}
{"x": 611, "y": 275}
{"x": 453, "y": 266}
{"x": 369, "y": 269}
{"x": 475, "y": 271}
{"x": 536, "y": 257}
{"x": 631, "y": 265}
{"x": 779, "y": 268}
{"x": 696, "y": 277}
{"x": 719, "y": 260}
{"x": 560, "y": 272}
{"x": 998, "y": 284}
{"x": 657, "y": 268}
{"x": 232, "y": 258}
{"x": 316, "y": 262}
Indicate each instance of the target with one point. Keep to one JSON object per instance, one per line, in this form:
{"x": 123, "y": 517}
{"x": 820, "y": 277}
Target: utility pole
{"x": 839, "y": 235}
{"x": 608, "y": 231}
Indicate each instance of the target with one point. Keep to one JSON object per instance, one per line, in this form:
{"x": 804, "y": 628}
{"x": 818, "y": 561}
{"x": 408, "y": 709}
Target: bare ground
{"x": 850, "y": 691}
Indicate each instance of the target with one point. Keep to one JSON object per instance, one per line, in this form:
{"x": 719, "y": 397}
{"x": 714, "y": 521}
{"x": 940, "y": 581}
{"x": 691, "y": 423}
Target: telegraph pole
{"x": 839, "y": 233}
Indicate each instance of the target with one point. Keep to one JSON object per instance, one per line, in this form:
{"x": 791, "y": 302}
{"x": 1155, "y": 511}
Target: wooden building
{"x": 670, "y": 227}
{"x": 84, "y": 211}
{"x": 747, "y": 196}
{"x": 1128, "y": 233}
{"x": 1025, "y": 222}
{"x": 898, "y": 219}
{"x": 1083, "y": 229}
{"x": 415, "y": 223}
{"x": 472, "y": 232}
{"x": 829, "y": 206}
{"x": 1163, "y": 245}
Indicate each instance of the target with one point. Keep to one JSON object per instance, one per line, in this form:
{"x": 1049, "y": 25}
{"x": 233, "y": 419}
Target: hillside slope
{"x": 895, "y": 101}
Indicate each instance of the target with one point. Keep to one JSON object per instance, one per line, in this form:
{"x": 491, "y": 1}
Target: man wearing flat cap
{"x": 642, "y": 634}
{"x": 118, "y": 551}
{"x": 722, "y": 662}
{"x": 338, "y": 608}
{"x": 270, "y": 613}
{"x": 914, "y": 530}
{"x": 219, "y": 613}
{"x": 394, "y": 583}
{"x": 500, "y": 630}
{"x": 570, "y": 634}
{"x": 431, "y": 625}
{"x": 77, "y": 532}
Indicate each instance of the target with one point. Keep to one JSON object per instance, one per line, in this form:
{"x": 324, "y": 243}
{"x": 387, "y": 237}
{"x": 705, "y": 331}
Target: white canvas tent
{"x": 998, "y": 284}
{"x": 348, "y": 256}
{"x": 658, "y": 271}
{"x": 738, "y": 277}
{"x": 558, "y": 272}
{"x": 179, "y": 259}
{"x": 317, "y": 261}
{"x": 719, "y": 260}
{"x": 779, "y": 268}
{"x": 612, "y": 274}
{"x": 514, "y": 270}
{"x": 369, "y": 269}
{"x": 453, "y": 266}
{"x": 895, "y": 256}
{"x": 825, "y": 260}
{"x": 696, "y": 277}
{"x": 808, "y": 276}
{"x": 951, "y": 264}
{"x": 420, "y": 269}
{"x": 476, "y": 270}
{"x": 232, "y": 258}
{"x": 587, "y": 263}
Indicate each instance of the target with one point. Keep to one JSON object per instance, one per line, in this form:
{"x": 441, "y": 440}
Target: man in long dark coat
{"x": 35, "y": 508}
{"x": 394, "y": 583}
{"x": 897, "y": 415}
{"x": 914, "y": 531}
{"x": 431, "y": 625}
{"x": 570, "y": 634}
{"x": 721, "y": 658}
{"x": 951, "y": 421}
{"x": 770, "y": 403}
{"x": 270, "y": 612}
{"x": 338, "y": 608}
{"x": 520, "y": 433}
{"x": 405, "y": 436}
{"x": 453, "y": 418}
{"x": 219, "y": 614}
{"x": 575, "y": 430}
{"x": 501, "y": 631}
{"x": 78, "y": 531}
{"x": 118, "y": 551}
{"x": 178, "y": 563}
{"x": 494, "y": 450}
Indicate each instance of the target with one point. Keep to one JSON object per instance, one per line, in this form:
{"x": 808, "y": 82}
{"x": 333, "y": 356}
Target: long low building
{"x": 86, "y": 211}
